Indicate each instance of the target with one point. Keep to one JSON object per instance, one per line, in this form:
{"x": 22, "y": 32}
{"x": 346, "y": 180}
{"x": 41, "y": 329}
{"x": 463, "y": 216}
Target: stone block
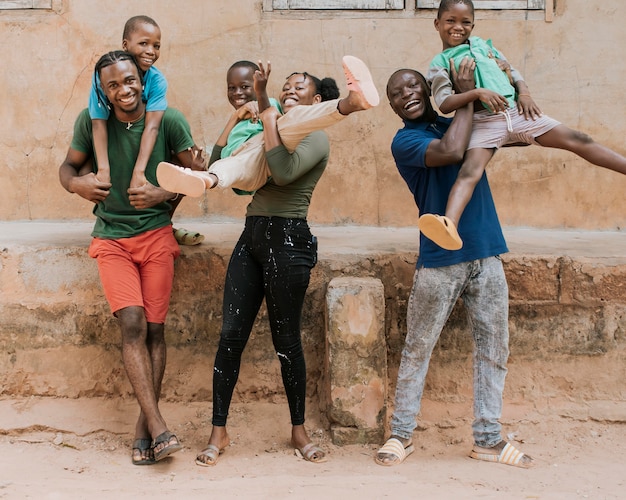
{"x": 356, "y": 357}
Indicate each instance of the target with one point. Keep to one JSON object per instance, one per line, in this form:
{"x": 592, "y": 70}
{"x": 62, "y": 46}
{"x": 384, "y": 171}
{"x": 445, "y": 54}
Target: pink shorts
{"x": 138, "y": 271}
{"x": 495, "y": 130}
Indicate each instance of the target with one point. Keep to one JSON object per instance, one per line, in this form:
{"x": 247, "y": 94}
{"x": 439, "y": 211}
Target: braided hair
{"x": 326, "y": 87}
{"x": 109, "y": 59}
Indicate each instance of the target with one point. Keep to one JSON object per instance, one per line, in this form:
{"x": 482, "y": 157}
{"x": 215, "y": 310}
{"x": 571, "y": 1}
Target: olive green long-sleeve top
{"x": 293, "y": 178}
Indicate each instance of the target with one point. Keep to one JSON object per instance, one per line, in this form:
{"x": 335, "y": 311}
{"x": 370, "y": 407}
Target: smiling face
{"x": 409, "y": 95}
{"x": 298, "y": 89}
{"x": 455, "y": 25}
{"x": 122, "y": 87}
{"x": 240, "y": 86}
{"x": 144, "y": 43}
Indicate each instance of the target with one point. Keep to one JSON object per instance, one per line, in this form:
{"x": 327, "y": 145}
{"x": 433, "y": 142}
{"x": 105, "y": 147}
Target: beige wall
{"x": 571, "y": 65}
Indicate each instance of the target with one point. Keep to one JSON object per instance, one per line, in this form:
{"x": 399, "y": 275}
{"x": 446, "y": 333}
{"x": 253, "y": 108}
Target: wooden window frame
{"x": 25, "y": 4}
{"x": 491, "y": 4}
{"x": 334, "y": 4}
{"x": 391, "y": 5}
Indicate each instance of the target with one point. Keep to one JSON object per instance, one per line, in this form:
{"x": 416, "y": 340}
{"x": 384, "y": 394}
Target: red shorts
{"x": 138, "y": 271}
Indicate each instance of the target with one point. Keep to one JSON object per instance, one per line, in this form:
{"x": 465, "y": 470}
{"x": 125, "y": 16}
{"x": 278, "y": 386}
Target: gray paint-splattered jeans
{"x": 483, "y": 287}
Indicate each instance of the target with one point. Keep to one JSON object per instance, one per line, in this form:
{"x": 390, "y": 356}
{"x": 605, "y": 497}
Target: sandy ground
{"x": 58, "y": 448}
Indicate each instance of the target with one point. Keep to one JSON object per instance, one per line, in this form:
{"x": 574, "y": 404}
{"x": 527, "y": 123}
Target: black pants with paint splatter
{"x": 273, "y": 260}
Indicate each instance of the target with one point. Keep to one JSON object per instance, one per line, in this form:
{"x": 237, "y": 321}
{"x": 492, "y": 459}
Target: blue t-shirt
{"x": 479, "y": 227}
{"x": 154, "y": 95}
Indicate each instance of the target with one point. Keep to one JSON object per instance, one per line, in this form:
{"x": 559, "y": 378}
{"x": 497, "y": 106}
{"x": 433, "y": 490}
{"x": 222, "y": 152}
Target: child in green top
{"x": 508, "y": 116}
{"x": 246, "y": 168}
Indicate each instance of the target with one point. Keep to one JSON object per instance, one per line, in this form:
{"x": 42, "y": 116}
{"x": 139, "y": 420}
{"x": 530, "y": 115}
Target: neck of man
{"x": 130, "y": 116}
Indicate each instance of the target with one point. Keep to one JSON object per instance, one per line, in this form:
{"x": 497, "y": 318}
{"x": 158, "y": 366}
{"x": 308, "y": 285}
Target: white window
{"x": 491, "y": 4}
{"x": 335, "y": 4}
{"x": 269, "y": 5}
{"x": 25, "y": 4}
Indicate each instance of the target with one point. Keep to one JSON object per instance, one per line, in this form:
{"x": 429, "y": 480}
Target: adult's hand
{"x": 527, "y": 107}
{"x": 463, "y": 79}
{"x": 147, "y": 195}
{"x": 261, "y": 76}
{"x": 271, "y": 114}
{"x": 249, "y": 111}
{"x": 88, "y": 186}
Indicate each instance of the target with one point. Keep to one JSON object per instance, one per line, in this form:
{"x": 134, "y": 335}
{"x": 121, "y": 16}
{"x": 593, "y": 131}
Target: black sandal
{"x": 166, "y": 451}
{"x": 146, "y": 452}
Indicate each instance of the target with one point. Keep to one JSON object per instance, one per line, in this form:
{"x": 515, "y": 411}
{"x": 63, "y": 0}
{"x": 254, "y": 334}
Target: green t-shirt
{"x": 487, "y": 73}
{"x": 294, "y": 176}
{"x": 115, "y": 216}
{"x": 243, "y": 131}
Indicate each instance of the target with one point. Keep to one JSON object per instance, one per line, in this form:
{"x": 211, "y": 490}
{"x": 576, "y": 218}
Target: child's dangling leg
{"x": 443, "y": 229}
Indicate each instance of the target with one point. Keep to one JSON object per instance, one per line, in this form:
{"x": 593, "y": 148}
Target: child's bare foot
{"x": 362, "y": 91}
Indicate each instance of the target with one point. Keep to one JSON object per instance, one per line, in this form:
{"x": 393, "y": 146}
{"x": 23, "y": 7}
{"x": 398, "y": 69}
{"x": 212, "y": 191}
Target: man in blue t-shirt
{"x": 428, "y": 152}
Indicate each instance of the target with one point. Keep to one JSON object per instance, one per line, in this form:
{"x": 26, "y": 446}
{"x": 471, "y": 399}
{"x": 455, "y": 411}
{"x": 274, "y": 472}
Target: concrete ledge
{"x": 57, "y": 337}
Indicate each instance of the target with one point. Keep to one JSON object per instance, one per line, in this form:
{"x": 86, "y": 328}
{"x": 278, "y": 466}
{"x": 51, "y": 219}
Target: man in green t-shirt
{"x": 133, "y": 240}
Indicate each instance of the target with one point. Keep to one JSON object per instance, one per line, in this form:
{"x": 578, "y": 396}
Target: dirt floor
{"x": 59, "y": 448}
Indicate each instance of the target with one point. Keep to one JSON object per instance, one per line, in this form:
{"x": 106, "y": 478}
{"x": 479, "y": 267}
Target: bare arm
{"x": 271, "y": 136}
{"x": 495, "y": 101}
{"x": 457, "y": 100}
{"x": 450, "y": 149}
{"x": 260, "y": 86}
{"x": 249, "y": 110}
{"x": 149, "y": 195}
{"x": 101, "y": 147}
{"x": 87, "y": 186}
{"x": 148, "y": 140}
{"x": 525, "y": 104}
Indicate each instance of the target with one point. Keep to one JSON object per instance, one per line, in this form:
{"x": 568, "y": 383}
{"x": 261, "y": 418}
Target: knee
{"x": 156, "y": 333}
{"x": 580, "y": 137}
{"x": 231, "y": 345}
{"x": 470, "y": 173}
{"x": 133, "y": 324}
{"x": 289, "y": 351}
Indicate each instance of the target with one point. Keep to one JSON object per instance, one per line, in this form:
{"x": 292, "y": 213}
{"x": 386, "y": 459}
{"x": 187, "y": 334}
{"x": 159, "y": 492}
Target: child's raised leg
{"x": 443, "y": 229}
{"x": 563, "y": 137}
